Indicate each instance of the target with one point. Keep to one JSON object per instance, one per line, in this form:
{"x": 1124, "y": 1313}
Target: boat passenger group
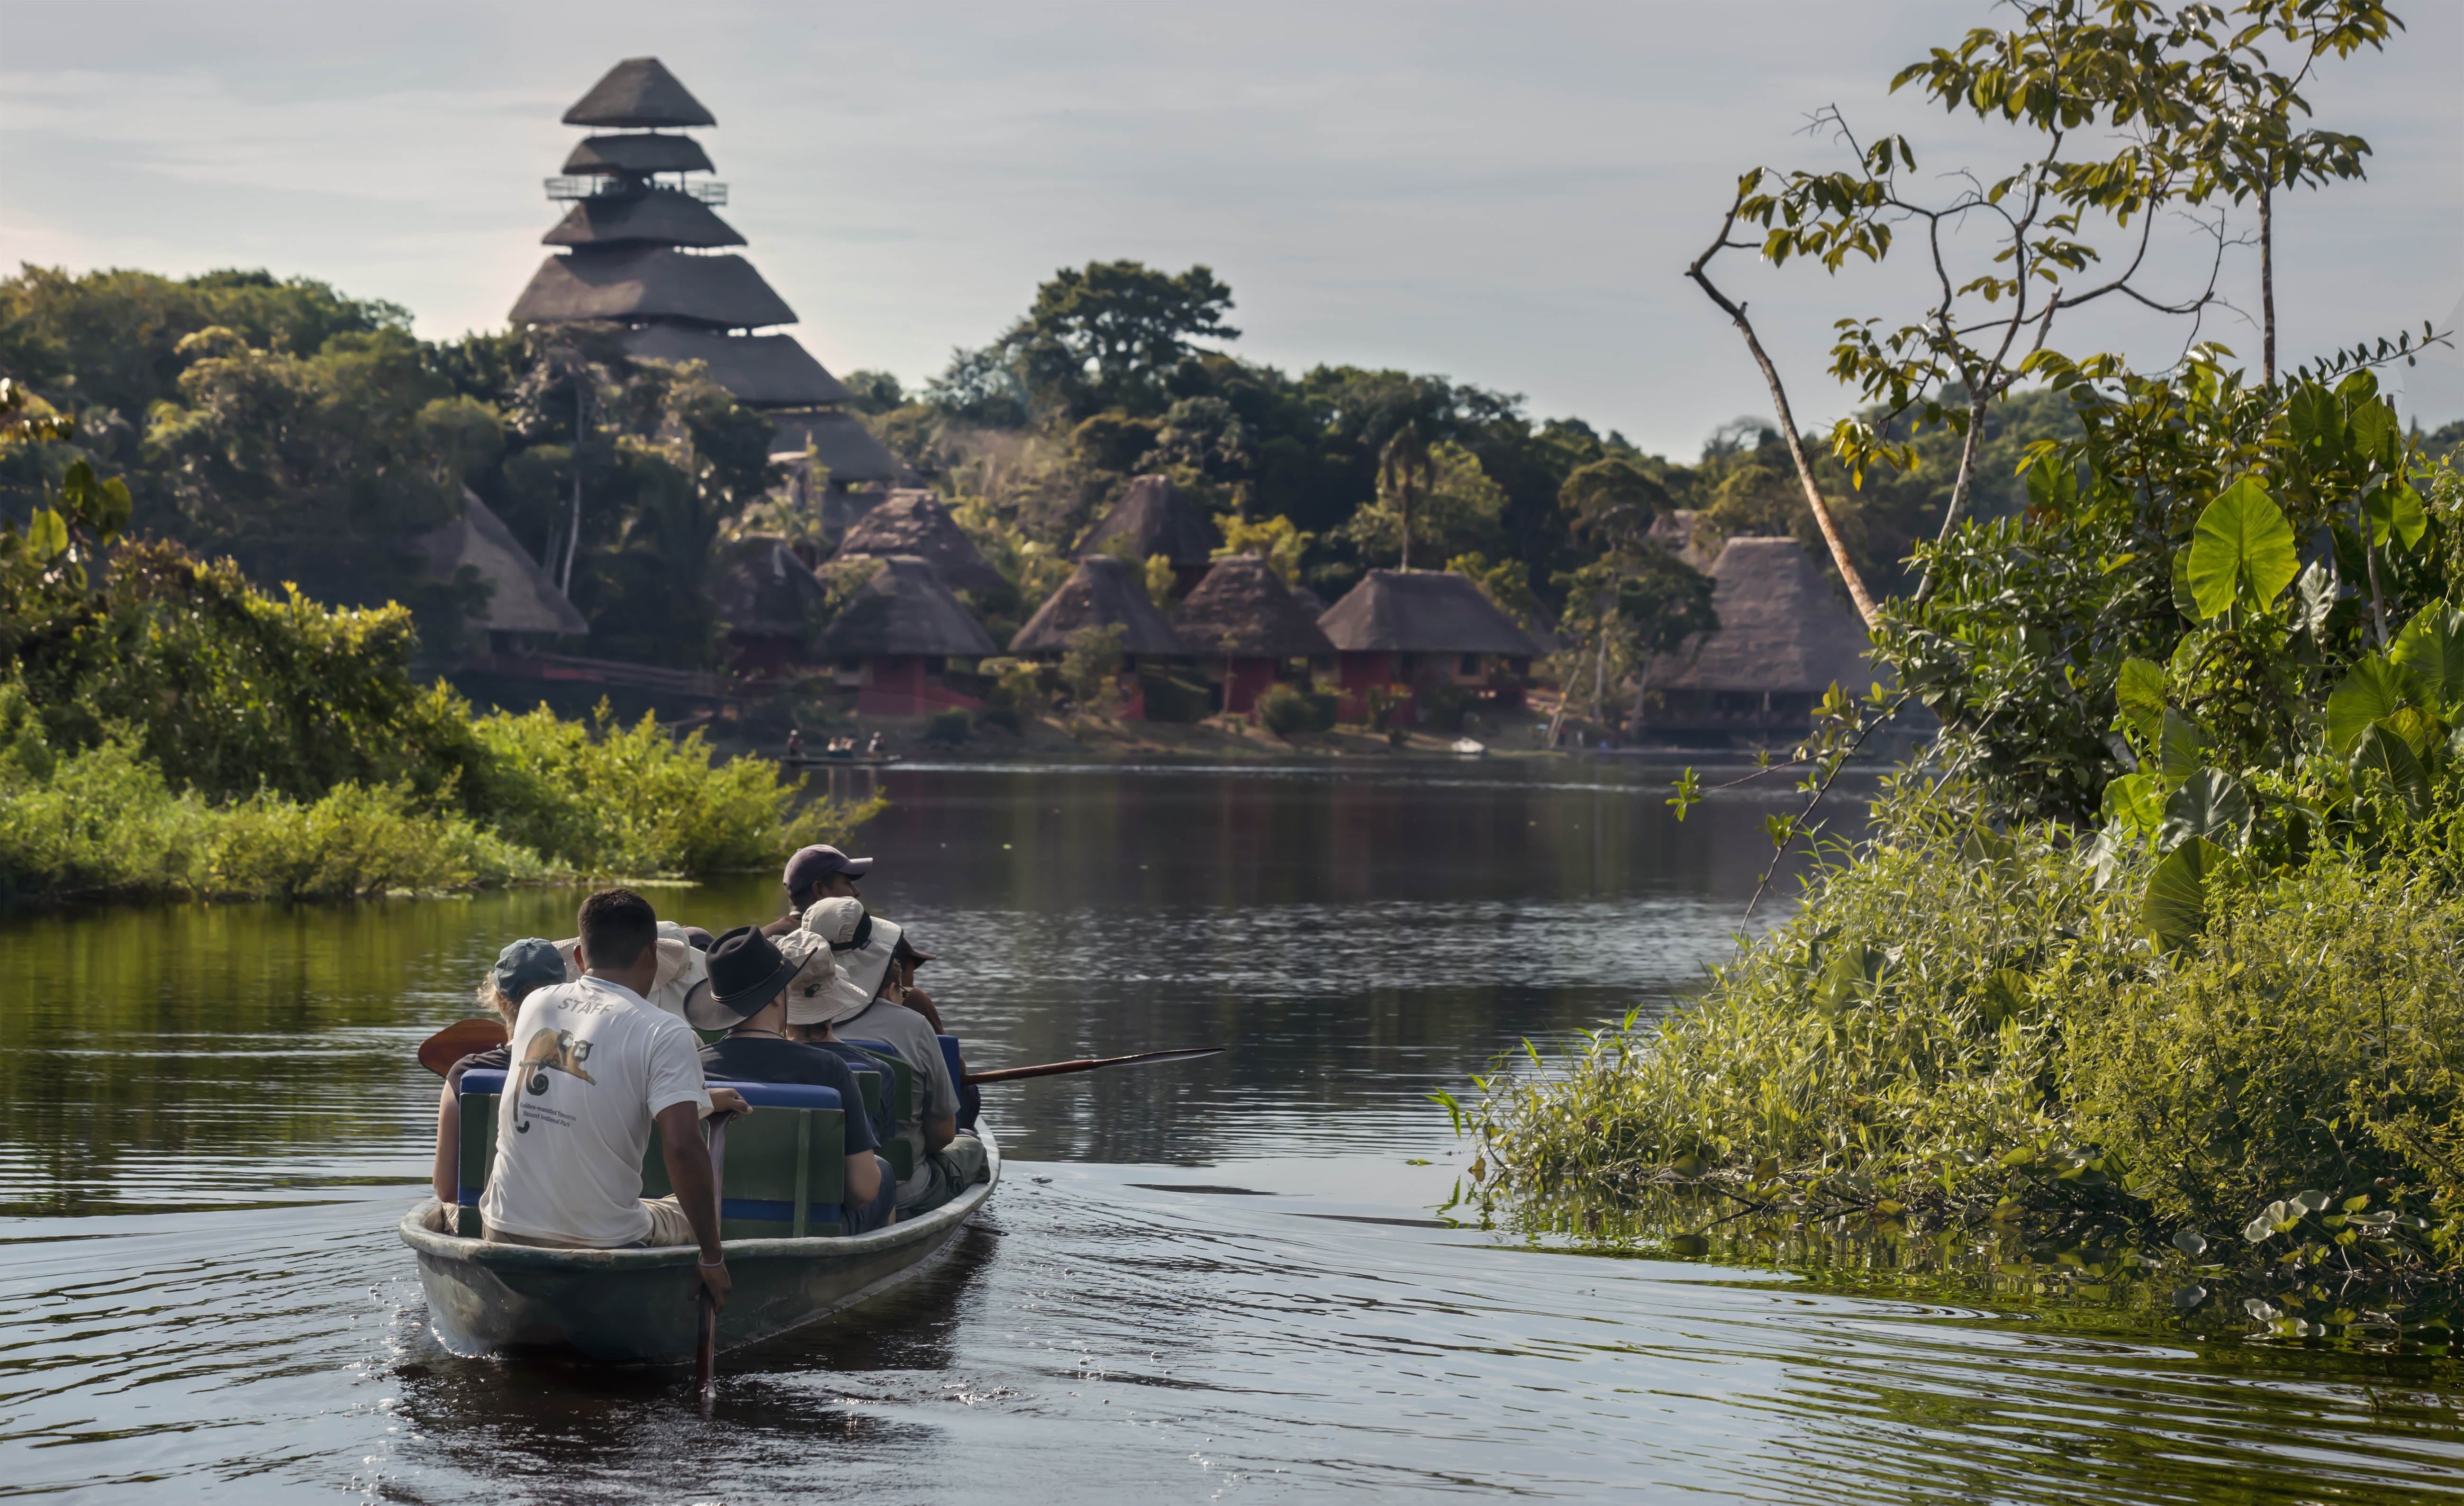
{"x": 604, "y": 1026}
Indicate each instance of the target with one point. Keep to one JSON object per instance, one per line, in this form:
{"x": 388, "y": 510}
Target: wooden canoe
{"x": 637, "y": 1306}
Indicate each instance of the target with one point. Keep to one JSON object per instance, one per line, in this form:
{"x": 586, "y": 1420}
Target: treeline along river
{"x": 1236, "y": 1277}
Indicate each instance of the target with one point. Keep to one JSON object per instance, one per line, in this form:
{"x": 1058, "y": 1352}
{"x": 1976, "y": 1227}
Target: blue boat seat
{"x": 971, "y": 1100}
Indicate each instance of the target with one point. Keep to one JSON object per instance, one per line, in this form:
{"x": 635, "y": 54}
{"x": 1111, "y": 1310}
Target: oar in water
{"x": 459, "y": 1039}
{"x": 705, "y": 1354}
{"x": 1054, "y": 1069}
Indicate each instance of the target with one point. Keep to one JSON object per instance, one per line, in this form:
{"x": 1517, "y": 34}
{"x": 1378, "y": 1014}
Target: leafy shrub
{"x": 2313, "y": 1039}
{"x": 1090, "y": 666}
{"x": 602, "y": 798}
{"x": 1289, "y": 709}
{"x": 104, "y": 823}
{"x": 948, "y": 727}
{"x": 1015, "y": 695}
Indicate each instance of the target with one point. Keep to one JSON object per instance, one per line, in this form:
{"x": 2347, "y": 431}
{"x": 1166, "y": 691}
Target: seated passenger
{"x": 862, "y": 1006}
{"x": 597, "y": 1066}
{"x": 752, "y": 979}
{"x": 524, "y": 966}
{"x": 816, "y": 874}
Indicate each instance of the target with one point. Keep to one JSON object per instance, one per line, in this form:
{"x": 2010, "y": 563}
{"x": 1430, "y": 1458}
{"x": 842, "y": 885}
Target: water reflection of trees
{"x": 1357, "y": 936}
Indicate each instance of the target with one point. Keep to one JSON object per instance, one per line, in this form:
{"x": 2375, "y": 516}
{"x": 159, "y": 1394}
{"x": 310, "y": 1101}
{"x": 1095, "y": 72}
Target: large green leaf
{"x": 2430, "y": 652}
{"x": 2182, "y": 748}
{"x": 2382, "y": 754}
{"x": 47, "y": 534}
{"x": 2315, "y": 594}
{"x": 2140, "y": 689}
{"x": 2374, "y": 690}
{"x": 2136, "y": 801}
{"x": 2395, "y": 511}
{"x": 2241, "y": 537}
{"x": 2175, "y": 907}
{"x": 2376, "y": 430}
{"x": 2210, "y": 804}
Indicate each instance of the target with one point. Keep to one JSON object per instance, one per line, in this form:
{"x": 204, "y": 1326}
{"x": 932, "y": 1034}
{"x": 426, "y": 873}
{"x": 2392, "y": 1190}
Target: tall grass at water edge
{"x": 1966, "y": 1034}
{"x": 561, "y": 799}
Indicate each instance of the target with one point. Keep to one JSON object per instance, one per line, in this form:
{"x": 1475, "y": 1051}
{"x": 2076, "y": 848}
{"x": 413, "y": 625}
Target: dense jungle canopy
{"x": 310, "y": 438}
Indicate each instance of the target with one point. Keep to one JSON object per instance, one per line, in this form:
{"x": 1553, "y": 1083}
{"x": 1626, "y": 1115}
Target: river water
{"x": 1220, "y": 1279}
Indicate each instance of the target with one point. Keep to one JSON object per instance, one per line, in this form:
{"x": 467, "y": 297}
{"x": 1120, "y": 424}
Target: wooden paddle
{"x": 705, "y": 1354}
{"x": 459, "y": 1039}
{"x": 1054, "y": 1069}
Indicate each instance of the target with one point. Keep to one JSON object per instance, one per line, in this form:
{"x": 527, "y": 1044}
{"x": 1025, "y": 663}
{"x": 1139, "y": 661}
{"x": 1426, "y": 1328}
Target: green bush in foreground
{"x": 105, "y": 822}
{"x": 1962, "y": 1027}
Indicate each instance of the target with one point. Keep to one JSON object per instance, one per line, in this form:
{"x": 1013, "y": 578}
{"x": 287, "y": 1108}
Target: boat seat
{"x": 971, "y": 1100}
{"x": 795, "y": 1143}
{"x": 901, "y": 1150}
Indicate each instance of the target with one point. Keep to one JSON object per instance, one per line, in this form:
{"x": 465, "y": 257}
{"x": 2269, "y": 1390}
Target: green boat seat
{"x": 902, "y": 1149}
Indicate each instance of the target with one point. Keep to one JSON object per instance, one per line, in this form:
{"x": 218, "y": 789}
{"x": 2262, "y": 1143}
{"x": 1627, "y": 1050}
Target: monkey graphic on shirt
{"x": 555, "y": 1051}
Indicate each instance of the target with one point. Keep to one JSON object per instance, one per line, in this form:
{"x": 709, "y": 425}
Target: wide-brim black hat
{"x": 747, "y": 970}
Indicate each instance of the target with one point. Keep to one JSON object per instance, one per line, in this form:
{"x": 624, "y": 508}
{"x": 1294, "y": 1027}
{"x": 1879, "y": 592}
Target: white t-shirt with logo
{"x": 593, "y": 1064}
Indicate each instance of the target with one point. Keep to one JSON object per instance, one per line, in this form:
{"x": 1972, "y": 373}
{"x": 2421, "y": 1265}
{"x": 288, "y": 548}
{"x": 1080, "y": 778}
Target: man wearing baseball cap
{"x": 815, "y": 873}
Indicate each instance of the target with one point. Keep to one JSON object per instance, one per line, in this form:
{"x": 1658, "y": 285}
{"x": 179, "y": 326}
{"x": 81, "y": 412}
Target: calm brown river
{"x": 1222, "y": 1279}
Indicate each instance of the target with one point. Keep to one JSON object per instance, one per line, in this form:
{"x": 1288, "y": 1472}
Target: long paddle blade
{"x": 458, "y": 1040}
{"x": 1054, "y": 1069}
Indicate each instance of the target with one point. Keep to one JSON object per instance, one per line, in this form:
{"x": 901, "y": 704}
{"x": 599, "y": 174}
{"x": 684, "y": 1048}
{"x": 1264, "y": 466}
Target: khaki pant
{"x": 956, "y": 1167}
{"x": 669, "y": 1226}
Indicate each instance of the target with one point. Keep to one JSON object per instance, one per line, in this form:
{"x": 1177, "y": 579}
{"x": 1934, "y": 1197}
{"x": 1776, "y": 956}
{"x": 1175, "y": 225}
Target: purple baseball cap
{"x": 812, "y": 864}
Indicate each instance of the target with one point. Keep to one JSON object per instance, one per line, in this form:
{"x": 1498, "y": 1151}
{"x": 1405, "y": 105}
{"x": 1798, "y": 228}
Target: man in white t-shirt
{"x": 594, "y": 1066}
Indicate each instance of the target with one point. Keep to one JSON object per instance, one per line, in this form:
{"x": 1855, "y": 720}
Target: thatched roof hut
{"x": 1424, "y": 612}
{"x": 758, "y": 370}
{"x": 1157, "y": 517}
{"x": 915, "y": 522}
{"x": 904, "y": 610}
{"x": 762, "y": 589}
{"x": 639, "y": 94}
{"x": 1243, "y": 609}
{"x": 1100, "y": 592}
{"x": 525, "y": 599}
{"x": 650, "y": 283}
{"x": 1782, "y": 630}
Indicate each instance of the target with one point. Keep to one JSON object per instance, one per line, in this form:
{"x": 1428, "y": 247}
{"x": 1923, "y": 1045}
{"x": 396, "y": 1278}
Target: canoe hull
{"x": 637, "y": 1306}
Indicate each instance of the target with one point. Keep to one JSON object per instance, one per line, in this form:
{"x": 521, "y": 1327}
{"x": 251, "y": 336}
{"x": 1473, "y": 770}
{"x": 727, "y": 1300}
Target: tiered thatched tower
{"x": 642, "y": 247}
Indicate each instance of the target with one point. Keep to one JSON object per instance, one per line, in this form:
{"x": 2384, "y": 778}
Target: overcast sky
{"x": 1505, "y": 194}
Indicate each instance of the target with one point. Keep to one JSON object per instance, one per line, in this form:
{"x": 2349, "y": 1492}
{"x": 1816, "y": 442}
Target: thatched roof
{"x": 649, "y": 283}
{"x": 654, "y": 216}
{"x": 758, "y": 370}
{"x": 845, "y": 446}
{"x": 1424, "y": 612}
{"x": 915, "y": 522}
{"x": 1159, "y": 519}
{"x": 1241, "y": 609}
{"x": 760, "y": 586}
{"x": 1099, "y": 593}
{"x": 639, "y": 93}
{"x": 638, "y": 154}
{"x": 905, "y": 609}
{"x": 525, "y": 600}
{"x": 1781, "y": 628}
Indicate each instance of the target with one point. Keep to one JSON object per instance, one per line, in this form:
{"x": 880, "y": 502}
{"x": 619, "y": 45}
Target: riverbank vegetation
{"x": 169, "y": 729}
{"x": 2146, "y": 968}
